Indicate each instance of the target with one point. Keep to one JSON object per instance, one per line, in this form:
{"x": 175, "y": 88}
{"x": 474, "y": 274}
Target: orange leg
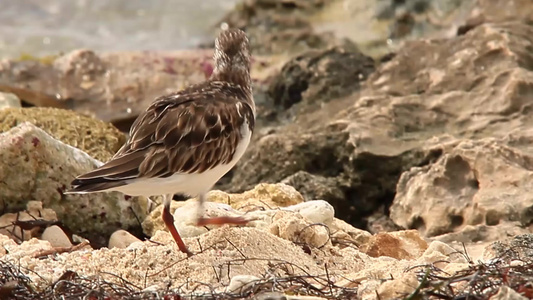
{"x": 169, "y": 222}
{"x": 221, "y": 221}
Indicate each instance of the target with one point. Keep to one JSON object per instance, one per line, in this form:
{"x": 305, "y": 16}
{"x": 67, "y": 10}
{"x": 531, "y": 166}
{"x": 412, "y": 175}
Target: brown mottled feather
{"x": 189, "y": 131}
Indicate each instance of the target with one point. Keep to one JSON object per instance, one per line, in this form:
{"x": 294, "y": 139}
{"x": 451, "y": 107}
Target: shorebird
{"x": 184, "y": 142}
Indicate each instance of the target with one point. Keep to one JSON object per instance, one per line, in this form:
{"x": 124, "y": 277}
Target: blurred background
{"x": 45, "y": 27}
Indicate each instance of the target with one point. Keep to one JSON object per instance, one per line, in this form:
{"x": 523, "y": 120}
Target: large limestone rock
{"x": 35, "y": 166}
{"x": 476, "y": 182}
{"x": 99, "y": 139}
{"x": 430, "y": 93}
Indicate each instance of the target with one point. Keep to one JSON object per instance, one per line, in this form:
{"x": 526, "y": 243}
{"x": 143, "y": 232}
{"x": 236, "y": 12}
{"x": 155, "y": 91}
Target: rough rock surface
{"x": 320, "y": 75}
{"x": 471, "y": 86}
{"x": 476, "y": 182}
{"x": 100, "y": 140}
{"x": 35, "y": 166}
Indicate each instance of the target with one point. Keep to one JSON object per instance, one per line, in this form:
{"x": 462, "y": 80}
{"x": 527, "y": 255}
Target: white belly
{"x": 190, "y": 184}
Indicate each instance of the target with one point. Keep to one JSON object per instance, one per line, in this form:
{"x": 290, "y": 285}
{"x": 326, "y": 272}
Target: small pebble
{"x": 56, "y": 236}
{"x": 121, "y": 239}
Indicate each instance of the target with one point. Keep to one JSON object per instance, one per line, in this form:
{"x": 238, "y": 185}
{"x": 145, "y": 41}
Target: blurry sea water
{"x": 45, "y": 27}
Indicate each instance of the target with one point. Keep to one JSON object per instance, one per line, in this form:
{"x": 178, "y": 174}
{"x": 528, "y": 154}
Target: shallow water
{"x": 44, "y": 27}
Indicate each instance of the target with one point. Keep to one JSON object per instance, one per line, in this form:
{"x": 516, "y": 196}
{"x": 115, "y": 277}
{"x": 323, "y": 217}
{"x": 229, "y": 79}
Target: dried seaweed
{"x": 482, "y": 280}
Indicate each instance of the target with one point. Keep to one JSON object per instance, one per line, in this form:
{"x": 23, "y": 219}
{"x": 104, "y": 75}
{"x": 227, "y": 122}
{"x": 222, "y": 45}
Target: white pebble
{"x": 121, "y": 239}
{"x": 56, "y": 236}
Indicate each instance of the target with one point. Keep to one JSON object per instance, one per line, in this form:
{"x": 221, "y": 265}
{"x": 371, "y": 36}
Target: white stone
{"x": 316, "y": 211}
{"x": 241, "y": 283}
{"x": 121, "y": 239}
{"x": 9, "y": 100}
{"x": 56, "y": 236}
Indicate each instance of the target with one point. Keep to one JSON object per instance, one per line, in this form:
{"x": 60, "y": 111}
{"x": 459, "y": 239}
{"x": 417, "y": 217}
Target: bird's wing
{"x": 190, "y": 131}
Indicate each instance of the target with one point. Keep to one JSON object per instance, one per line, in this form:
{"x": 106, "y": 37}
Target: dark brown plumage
{"x": 190, "y": 131}
{"x": 185, "y": 141}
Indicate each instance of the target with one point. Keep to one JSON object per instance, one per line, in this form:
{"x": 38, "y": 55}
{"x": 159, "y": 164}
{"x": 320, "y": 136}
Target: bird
{"x": 185, "y": 141}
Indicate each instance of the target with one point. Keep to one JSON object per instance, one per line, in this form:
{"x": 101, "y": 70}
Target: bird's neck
{"x": 236, "y": 75}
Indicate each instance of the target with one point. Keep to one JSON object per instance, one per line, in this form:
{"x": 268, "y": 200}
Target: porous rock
{"x": 99, "y": 139}
{"x": 400, "y": 245}
{"x": 35, "y": 166}
{"x": 121, "y": 239}
{"x": 409, "y": 112}
{"x": 477, "y": 182}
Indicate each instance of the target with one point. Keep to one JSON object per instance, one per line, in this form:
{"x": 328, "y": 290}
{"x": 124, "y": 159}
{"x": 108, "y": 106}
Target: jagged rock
{"x": 431, "y": 93}
{"x": 476, "y": 238}
{"x": 476, "y": 182}
{"x": 35, "y": 166}
{"x": 97, "y": 138}
{"x": 320, "y": 75}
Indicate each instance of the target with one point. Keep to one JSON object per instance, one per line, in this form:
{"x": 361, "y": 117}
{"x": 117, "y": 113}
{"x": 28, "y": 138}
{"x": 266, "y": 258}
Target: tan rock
{"x": 56, "y": 236}
{"x": 35, "y": 166}
{"x": 294, "y": 228}
{"x": 121, "y": 239}
{"x": 477, "y": 182}
{"x": 99, "y": 139}
{"x": 241, "y": 283}
{"x": 35, "y": 216}
{"x": 262, "y": 196}
{"x": 398, "y": 288}
{"x": 400, "y": 245}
